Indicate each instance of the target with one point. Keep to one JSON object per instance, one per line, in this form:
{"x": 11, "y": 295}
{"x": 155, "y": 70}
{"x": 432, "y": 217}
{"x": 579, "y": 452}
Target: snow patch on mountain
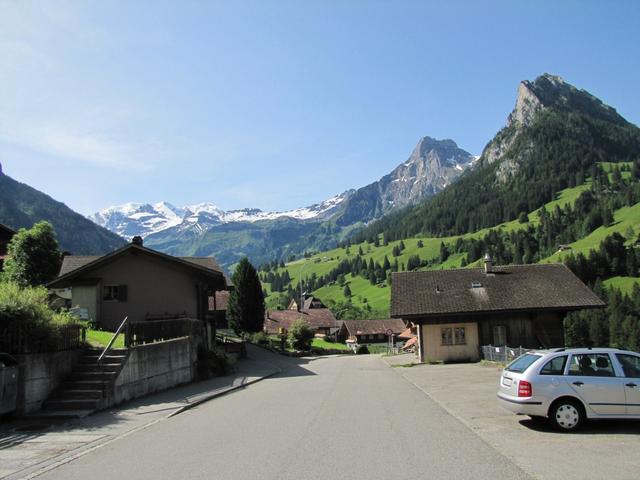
{"x": 144, "y": 219}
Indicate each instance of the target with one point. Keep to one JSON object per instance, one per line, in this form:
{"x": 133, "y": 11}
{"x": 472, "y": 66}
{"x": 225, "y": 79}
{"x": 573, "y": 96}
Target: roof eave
{"x": 507, "y": 310}
{"x": 111, "y": 256}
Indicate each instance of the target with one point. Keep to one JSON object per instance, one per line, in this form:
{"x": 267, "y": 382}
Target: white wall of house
{"x": 434, "y": 349}
{"x": 86, "y": 296}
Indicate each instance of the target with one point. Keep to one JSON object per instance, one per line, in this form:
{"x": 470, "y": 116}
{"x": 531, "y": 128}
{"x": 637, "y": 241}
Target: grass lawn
{"x": 100, "y": 338}
{"x": 322, "y": 343}
{"x": 624, "y": 284}
{"x": 378, "y": 298}
{"x": 624, "y": 218}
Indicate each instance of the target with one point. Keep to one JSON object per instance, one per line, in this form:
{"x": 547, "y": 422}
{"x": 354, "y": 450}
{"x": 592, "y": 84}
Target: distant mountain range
{"x": 146, "y": 219}
{"x": 205, "y": 229}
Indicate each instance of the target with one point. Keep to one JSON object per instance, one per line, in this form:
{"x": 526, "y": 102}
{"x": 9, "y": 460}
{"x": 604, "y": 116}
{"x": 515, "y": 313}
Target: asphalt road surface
{"x": 331, "y": 418}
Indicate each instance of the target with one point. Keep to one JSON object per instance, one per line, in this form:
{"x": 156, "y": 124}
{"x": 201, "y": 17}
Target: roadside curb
{"x": 220, "y": 393}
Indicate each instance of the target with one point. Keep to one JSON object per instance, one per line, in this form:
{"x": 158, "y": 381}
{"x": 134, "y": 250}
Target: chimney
{"x": 487, "y": 263}
{"x": 137, "y": 240}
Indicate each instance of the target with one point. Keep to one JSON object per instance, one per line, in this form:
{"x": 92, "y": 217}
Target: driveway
{"x": 349, "y": 417}
{"x": 604, "y": 449}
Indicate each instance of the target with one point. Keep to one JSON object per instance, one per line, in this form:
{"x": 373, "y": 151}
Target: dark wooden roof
{"x": 316, "y": 318}
{"x": 506, "y": 288}
{"x": 73, "y": 266}
{"x": 374, "y": 327}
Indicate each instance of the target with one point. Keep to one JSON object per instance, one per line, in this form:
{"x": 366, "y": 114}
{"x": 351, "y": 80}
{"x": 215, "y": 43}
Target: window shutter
{"x": 122, "y": 293}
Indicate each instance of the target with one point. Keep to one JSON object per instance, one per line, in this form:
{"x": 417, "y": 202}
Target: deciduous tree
{"x": 33, "y": 256}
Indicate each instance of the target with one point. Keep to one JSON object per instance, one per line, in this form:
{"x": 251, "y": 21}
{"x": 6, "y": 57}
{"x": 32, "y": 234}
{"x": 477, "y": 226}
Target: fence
{"x": 502, "y": 354}
{"x": 17, "y": 337}
{"x": 231, "y": 345}
{"x": 150, "y": 331}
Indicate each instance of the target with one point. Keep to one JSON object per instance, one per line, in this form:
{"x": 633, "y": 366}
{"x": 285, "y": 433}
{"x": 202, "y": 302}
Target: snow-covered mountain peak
{"x": 131, "y": 219}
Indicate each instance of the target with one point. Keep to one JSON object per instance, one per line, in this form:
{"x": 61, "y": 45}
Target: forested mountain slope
{"x": 22, "y": 206}
{"x": 563, "y": 183}
{"x": 552, "y": 140}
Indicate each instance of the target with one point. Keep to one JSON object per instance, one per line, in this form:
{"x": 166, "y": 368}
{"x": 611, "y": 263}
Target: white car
{"x": 568, "y": 386}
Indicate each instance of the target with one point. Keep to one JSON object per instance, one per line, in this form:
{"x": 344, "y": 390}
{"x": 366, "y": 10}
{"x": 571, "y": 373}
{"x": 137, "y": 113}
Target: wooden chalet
{"x": 309, "y": 302}
{"x": 140, "y": 283}
{"x": 321, "y": 320}
{"x": 370, "y": 331}
{"x": 457, "y": 311}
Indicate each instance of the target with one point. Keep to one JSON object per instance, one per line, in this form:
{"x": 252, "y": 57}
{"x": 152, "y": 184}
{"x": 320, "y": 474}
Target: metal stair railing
{"x": 113, "y": 339}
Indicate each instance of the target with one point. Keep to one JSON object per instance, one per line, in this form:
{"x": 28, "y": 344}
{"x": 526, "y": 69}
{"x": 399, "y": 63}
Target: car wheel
{"x": 566, "y": 415}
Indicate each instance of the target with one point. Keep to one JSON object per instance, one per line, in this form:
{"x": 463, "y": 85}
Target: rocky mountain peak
{"x": 552, "y": 91}
{"x": 527, "y": 106}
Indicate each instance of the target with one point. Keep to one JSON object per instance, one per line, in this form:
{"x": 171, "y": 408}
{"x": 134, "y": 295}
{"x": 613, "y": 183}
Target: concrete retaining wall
{"x": 154, "y": 367}
{"x": 40, "y": 374}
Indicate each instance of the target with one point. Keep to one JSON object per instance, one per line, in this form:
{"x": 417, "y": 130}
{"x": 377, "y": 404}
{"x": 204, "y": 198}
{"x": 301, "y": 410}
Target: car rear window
{"x": 523, "y": 362}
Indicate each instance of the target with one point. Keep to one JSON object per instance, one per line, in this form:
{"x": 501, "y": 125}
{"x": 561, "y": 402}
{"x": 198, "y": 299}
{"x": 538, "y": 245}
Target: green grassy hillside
{"x": 377, "y": 297}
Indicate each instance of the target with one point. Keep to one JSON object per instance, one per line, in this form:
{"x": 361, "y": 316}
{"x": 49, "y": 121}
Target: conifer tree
{"x": 245, "y": 309}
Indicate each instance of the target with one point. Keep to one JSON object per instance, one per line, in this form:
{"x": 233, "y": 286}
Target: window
{"x": 630, "y": 364}
{"x": 555, "y": 366}
{"x": 115, "y": 293}
{"x": 591, "y": 365}
{"x": 520, "y": 364}
{"x": 447, "y": 336}
{"x": 453, "y": 336}
{"x": 500, "y": 335}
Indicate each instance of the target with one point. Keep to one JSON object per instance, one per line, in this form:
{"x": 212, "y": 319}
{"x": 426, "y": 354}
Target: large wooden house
{"x": 457, "y": 311}
{"x": 140, "y": 283}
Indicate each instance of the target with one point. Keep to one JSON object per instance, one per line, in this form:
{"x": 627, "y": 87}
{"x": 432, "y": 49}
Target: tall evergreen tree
{"x": 245, "y": 309}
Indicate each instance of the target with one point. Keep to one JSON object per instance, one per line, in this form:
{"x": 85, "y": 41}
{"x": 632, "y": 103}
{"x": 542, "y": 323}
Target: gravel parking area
{"x": 603, "y": 449}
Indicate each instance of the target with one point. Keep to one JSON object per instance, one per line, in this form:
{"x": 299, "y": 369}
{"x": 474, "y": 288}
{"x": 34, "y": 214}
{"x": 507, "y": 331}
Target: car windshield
{"x": 523, "y": 362}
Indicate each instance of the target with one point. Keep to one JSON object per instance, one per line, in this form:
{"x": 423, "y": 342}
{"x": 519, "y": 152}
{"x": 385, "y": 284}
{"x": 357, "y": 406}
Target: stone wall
{"x": 40, "y": 374}
{"x": 154, "y": 367}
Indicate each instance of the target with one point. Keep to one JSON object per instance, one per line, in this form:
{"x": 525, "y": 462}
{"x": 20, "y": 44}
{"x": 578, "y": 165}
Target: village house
{"x": 370, "y": 331}
{"x": 321, "y": 320}
{"x": 140, "y": 283}
{"x": 6, "y": 234}
{"x": 218, "y": 308}
{"x": 457, "y": 311}
{"x": 309, "y": 302}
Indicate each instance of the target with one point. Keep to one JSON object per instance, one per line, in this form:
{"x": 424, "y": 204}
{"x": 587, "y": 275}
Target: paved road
{"x": 331, "y": 418}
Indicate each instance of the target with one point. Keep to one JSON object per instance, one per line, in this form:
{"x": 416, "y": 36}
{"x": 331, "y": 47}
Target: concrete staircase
{"x": 83, "y": 392}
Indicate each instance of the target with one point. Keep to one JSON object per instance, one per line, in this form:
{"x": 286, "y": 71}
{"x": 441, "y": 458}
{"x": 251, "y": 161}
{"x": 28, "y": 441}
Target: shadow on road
{"x": 593, "y": 427}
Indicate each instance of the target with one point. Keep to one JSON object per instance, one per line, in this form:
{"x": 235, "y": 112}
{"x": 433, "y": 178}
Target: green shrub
{"x": 300, "y": 335}
{"x": 259, "y": 338}
{"x": 24, "y": 311}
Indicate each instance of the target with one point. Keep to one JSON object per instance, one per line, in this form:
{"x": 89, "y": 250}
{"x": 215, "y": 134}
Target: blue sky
{"x": 278, "y": 104}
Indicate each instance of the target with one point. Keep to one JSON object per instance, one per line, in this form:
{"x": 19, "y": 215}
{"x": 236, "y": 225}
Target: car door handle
{"x": 632, "y": 385}
{"x": 578, "y": 384}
